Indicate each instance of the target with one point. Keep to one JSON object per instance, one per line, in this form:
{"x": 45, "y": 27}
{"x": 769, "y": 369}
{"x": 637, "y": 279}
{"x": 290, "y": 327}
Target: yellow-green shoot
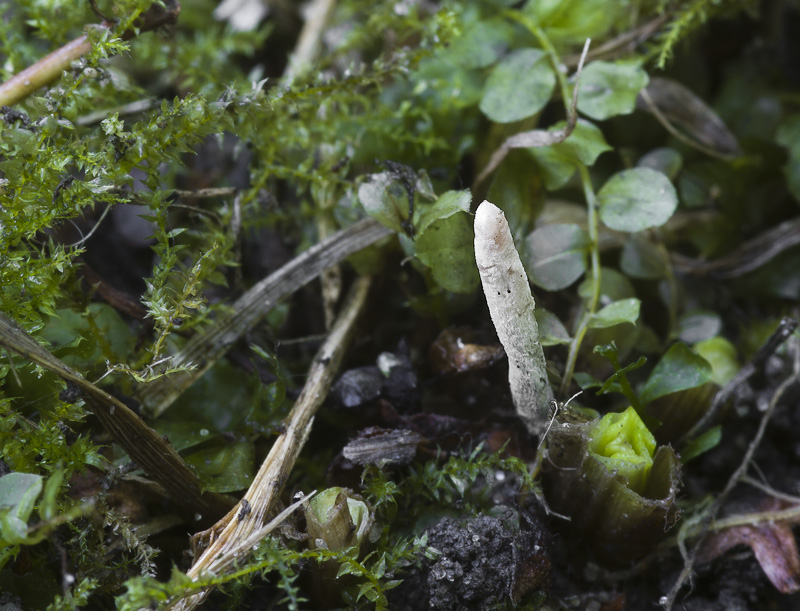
{"x": 624, "y": 445}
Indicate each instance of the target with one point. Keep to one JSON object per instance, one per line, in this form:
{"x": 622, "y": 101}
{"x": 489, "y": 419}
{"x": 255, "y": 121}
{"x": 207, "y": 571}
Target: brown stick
{"x": 49, "y": 68}
{"x": 147, "y": 448}
{"x": 207, "y": 348}
{"x": 268, "y": 483}
{"x": 45, "y": 71}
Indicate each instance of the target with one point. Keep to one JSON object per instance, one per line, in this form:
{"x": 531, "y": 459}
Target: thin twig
{"x": 625, "y": 42}
{"x": 50, "y": 67}
{"x": 668, "y": 600}
{"x": 785, "y": 328}
{"x": 84, "y": 238}
{"x": 308, "y": 43}
{"x": 538, "y": 137}
{"x": 777, "y": 494}
{"x": 43, "y": 72}
{"x": 207, "y": 348}
{"x": 205, "y": 193}
{"x": 227, "y": 534}
{"x": 146, "y": 448}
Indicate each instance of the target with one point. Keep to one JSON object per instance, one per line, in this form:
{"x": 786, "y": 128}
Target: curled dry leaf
{"x": 686, "y": 110}
{"x": 453, "y": 352}
{"x": 773, "y": 545}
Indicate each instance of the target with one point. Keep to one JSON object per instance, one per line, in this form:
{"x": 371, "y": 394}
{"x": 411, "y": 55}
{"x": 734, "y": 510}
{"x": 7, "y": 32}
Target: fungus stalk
{"x": 512, "y": 307}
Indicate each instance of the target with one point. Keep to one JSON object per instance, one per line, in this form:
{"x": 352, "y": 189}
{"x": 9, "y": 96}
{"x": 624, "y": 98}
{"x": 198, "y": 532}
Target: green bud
{"x": 625, "y": 446}
{"x": 336, "y": 519}
{"x": 617, "y": 488}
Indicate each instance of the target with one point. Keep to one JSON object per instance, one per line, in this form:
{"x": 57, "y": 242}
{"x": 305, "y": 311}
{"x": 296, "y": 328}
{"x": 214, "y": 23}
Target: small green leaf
{"x": 614, "y": 378}
{"x": 616, "y": 313}
{"x": 613, "y": 285}
{"x": 18, "y": 493}
{"x": 610, "y": 89}
{"x": 678, "y": 369}
{"x": 666, "y": 160}
{"x": 558, "y": 162}
{"x": 699, "y": 325}
{"x": 48, "y": 506}
{"x": 586, "y": 380}
{"x": 184, "y": 434}
{"x": 518, "y": 87}
{"x": 448, "y": 204}
{"x": 721, "y": 354}
{"x": 573, "y": 21}
{"x": 482, "y": 43}
{"x": 701, "y": 444}
{"x": 552, "y": 331}
{"x": 224, "y": 468}
{"x": 637, "y": 199}
{"x": 555, "y": 255}
{"x": 641, "y": 258}
{"x": 385, "y": 200}
{"x": 446, "y": 247}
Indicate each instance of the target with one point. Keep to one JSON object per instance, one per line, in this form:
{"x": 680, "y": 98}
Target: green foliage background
{"x": 436, "y": 87}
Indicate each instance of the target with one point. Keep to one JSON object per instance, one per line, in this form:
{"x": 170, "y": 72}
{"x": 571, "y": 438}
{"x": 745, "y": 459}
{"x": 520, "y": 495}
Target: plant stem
{"x": 594, "y": 258}
{"x": 45, "y": 71}
{"x": 534, "y": 28}
{"x": 228, "y": 533}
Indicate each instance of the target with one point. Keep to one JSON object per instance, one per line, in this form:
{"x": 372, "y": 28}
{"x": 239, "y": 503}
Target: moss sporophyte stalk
{"x": 625, "y": 446}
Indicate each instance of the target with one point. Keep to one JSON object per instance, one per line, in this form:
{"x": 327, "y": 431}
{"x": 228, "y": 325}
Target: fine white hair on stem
{"x": 511, "y": 307}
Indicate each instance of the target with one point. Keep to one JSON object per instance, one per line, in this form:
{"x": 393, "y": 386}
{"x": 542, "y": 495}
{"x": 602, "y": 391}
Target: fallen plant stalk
{"x": 50, "y": 67}
{"x": 227, "y": 535}
{"x": 147, "y": 449}
{"x": 208, "y": 347}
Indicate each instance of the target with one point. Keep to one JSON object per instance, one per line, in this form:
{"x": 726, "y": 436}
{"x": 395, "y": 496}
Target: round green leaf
{"x": 555, "y": 255}
{"x": 721, "y": 354}
{"x": 552, "y": 331}
{"x": 698, "y": 326}
{"x": 18, "y": 493}
{"x": 446, "y": 247}
{"x": 385, "y": 200}
{"x": 558, "y": 162}
{"x": 616, "y": 313}
{"x": 637, "y": 199}
{"x": 482, "y": 43}
{"x": 609, "y": 89}
{"x": 447, "y": 204}
{"x": 665, "y": 160}
{"x": 518, "y": 87}
{"x": 224, "y": 467}
{"x": 678, "y": 369}
{"x": 641, "y": 258}
{"x": 613, "y": 286}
